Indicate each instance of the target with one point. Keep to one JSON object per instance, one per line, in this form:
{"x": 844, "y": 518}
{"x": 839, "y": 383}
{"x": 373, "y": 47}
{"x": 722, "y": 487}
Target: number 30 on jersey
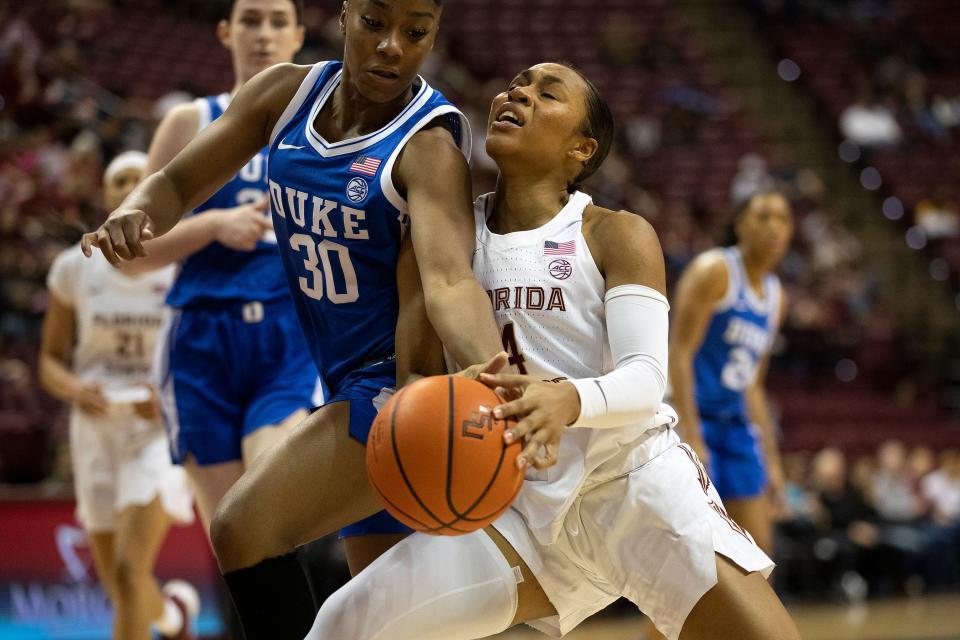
{"x": 318, "y": 260}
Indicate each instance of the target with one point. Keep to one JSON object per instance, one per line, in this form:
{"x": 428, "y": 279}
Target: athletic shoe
{"x": 185, "y": 597}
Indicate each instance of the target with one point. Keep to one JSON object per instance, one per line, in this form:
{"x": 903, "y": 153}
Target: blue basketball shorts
{"x": 231, "y": 369}
{"x": 367, "y": 390}
{"x": 736, "y": 466}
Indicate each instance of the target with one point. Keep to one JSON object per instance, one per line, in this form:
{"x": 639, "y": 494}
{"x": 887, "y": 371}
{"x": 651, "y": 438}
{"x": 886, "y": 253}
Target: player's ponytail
{"x": 597, "y": 125}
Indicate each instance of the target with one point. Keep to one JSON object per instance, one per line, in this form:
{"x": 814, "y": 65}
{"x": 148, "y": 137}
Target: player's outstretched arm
{"x": 238, "y": 228}
{"x": 701, "y": 286}
{"x": 437, "y": 181}
{"x": 419, "y": 350}
{"x": 200, "y": 169}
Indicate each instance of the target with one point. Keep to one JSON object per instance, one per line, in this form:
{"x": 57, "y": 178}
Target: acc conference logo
{"x": 357, "y": 190}
{"x": 560, "y": 269}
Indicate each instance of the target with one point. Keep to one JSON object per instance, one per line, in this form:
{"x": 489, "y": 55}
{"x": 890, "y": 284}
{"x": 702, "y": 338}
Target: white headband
{"x": 124, "y": 161}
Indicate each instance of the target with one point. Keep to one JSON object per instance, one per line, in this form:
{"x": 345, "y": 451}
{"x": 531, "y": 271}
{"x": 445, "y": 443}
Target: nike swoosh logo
{"x": 284, "y": 145}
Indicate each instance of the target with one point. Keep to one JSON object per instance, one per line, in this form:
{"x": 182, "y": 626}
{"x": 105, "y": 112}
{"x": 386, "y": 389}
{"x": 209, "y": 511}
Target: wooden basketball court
{"x": 928, "y": 618}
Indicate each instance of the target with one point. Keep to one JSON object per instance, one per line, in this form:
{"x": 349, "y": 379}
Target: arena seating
{"x": 837, "y": 54}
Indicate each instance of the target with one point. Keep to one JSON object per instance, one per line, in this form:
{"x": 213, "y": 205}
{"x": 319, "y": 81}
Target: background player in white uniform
{"x": 97, "y": 353}
{"x": 578, "y": 292}
{"x": 727, "y": 312}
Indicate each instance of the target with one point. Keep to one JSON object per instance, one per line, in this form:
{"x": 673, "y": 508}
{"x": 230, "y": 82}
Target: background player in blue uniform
{"x": 331, "y": 126}
{"x": 727, "y": 312}
{"x": 236, "y": 373}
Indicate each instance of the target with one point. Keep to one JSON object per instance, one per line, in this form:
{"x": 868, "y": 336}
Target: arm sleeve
{"x": 633, "y": 392}
{"x": 62, "y": 278}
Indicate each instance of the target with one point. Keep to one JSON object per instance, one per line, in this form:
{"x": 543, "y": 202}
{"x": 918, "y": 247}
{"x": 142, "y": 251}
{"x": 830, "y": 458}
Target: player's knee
{"x": 226, "y": 536}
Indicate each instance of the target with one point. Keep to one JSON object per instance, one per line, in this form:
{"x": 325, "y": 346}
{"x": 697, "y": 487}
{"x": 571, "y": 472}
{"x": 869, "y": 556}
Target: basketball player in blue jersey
{"x": 727, "y": 312}
{"x": 237, "y": 374}
{"x": 358, "y": 150}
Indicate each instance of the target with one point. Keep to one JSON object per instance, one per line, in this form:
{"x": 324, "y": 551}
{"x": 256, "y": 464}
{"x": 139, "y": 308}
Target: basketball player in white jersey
{"x": 97, "y": 354}
{"x": 613, "y": 505}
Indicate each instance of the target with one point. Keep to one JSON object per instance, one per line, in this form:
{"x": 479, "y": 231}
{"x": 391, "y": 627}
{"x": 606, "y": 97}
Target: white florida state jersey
{"x": 548, "y": 300}
{"x": 118, "y": 317}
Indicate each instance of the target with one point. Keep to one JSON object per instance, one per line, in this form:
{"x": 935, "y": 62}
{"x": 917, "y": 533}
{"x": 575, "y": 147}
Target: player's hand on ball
{"x": 496, "y": 364}
{"x": 120, "y": 237}
{"x": 542, "y": 410}
{"x": 242, "y": 227}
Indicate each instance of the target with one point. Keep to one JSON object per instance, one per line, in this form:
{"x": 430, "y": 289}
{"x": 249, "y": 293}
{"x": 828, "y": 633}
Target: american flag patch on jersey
{"x": 551, "y": 248}
{"x": 366, "y": 165}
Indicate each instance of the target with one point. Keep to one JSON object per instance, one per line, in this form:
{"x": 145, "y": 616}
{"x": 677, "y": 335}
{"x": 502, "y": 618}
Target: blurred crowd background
{"x": 852, "y": 107}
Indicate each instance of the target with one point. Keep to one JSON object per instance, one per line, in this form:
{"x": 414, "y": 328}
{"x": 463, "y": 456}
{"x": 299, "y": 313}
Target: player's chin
{"x": 381, "y": 90}
{"x": 501, "y": 141}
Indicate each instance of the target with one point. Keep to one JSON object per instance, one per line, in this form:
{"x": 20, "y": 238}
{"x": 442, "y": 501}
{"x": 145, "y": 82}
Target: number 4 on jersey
{"x": 510, "y": 346}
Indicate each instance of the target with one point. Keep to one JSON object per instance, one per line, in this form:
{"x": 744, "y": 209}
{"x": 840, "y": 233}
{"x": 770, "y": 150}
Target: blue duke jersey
{"x": 339, "y": 221}
{"x": 216, "y": 273}
{"x": 739, "y": 336}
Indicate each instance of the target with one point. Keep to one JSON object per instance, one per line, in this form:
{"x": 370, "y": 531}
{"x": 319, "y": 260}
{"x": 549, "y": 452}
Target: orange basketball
{"x": 436, "y": 456}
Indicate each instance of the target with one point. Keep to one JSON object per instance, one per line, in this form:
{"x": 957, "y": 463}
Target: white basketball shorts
{"x": 650, "y": 536}
{"x": 122, "y": 460}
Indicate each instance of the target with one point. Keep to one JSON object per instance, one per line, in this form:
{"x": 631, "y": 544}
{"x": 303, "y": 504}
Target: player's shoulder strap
{"x": 427, "y": 106}
{"x": 731, "y": 259}
{"x": 210, "y": 108}
{"x": 774, "y": 297}
{"x": 319, "y": 74}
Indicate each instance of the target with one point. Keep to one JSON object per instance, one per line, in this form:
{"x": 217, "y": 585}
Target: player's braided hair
{"x": 597, "y": 125}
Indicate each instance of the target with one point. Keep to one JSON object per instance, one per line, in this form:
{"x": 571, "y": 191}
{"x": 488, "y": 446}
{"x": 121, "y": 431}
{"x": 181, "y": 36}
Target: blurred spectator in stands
{"x": 920, "y": 462}
{"x": 938, "y": 216}
{"x": 918, "y": 103}
{"x": 751, "y": 177}
{"x": 801, "y": 506}
{"x": 895, "y": 498}
{"x": 619, "y": 41}
{"x": 868, "y": 122}
{"x": 687, "y": 107}
{"x": 831, "y": 246}
{"x": 941, "y": 489}
{"x": 643, "y": 135}
{"x": 946, "y": 106}
{"x": 898, "y": 503}
{"x": 796, "y": 528}
{"x": 848, "y": 531}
